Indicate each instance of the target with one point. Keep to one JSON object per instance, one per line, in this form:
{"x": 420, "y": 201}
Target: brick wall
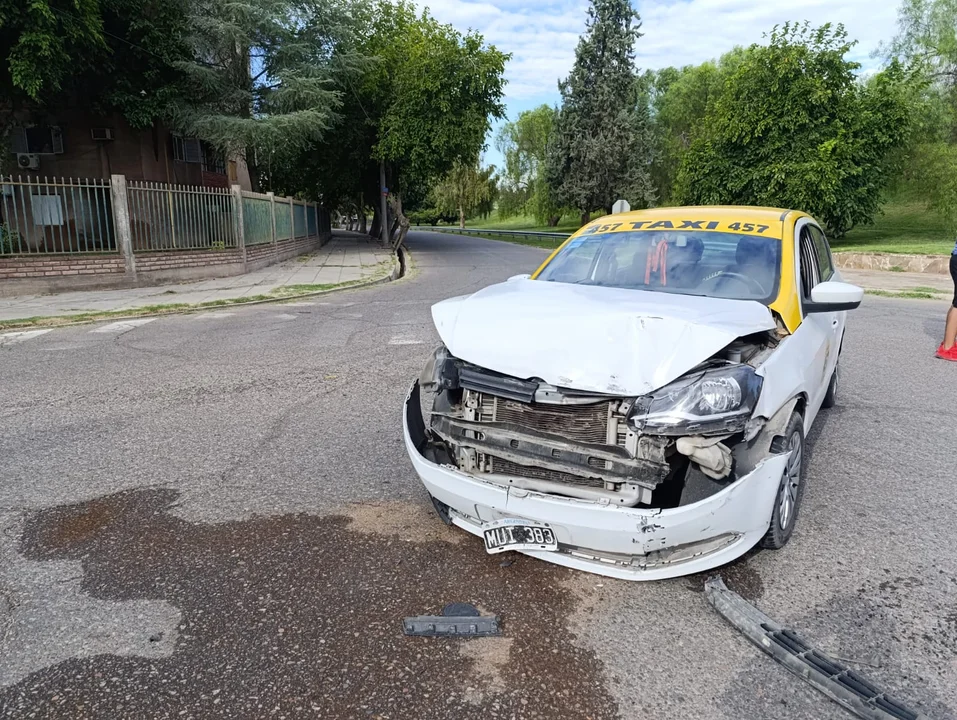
{"x": 67, "y": 266}
{"x": 28, "y": 274}
{"x": 171, "y": 260}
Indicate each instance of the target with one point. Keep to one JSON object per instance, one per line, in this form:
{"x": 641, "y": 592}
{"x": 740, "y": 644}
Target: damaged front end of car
{"x": 664, "y": 468}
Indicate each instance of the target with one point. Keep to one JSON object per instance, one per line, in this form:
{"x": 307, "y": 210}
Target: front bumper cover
{"x": 620, "y": 542}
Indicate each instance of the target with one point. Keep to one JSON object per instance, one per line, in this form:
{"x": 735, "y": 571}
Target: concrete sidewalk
{"x": 347, "y": 258}
{"x": 898, "y": 282}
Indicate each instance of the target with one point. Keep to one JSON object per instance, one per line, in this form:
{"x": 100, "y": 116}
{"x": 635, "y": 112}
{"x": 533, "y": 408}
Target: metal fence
{"x": 65, "y": 215}
{"x": 257, "y": 218}
{"x": 283, "y": 219}
{"x": 180, "y": 217}
{"x": 55, "y": 216}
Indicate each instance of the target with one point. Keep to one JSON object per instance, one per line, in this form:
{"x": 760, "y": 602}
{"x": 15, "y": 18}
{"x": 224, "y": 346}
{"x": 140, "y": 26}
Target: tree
{"x": 264, "y": 78}
{"x": 793, "y": 127}
{"x": 45, "y": 44}
{"x": 465, "y": 190}
{"x": 101, "y": 55}
{"x": 422, "y": 103}
{"x": 601, "y": 150}
{"x": 431, "y": 96}
{"x": 927, "y": 41}
{"x": 525, "y": 143}
{"x": 927, "y": 36}
{"x": 679, "y": 99}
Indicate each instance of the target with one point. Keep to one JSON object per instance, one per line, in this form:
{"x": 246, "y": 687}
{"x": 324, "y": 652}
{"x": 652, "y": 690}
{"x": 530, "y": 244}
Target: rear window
{"x": 709, "y": 264}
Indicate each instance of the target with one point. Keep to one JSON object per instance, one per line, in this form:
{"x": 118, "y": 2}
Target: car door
{"x": 817, "y": 330}
{"x": 826, "y": 271}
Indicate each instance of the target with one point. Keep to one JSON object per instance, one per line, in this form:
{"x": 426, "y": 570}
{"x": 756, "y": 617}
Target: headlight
{"x": 711, "y": 401}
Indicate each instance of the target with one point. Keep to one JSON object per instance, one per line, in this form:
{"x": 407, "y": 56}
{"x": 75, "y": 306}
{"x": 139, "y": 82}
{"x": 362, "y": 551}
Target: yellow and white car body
{"x": 637, "y": 406}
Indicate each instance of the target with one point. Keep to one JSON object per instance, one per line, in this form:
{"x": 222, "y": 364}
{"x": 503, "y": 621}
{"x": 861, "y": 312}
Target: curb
{"x": 398, "y": 271}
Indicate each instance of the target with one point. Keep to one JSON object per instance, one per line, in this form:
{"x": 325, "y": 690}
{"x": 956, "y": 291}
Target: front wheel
{"x": 830, "y": 398}
{"x": 787, "y": 503}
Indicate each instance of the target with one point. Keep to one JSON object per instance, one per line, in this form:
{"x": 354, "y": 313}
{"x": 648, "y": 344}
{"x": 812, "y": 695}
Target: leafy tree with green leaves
{"x": 431, "y": 96}
{"x": 265, "y": 77}
{"x": 602, "y": 146}
{"x": 99, "y": 55}
{"x": 524, "y": 143}
{"x": 927, "y": 41}
{"x": 927, "y": 35}
{"x": 679, "y": 99}
{"x": 422, "y": 105}
{"x": 45, "y": 42}
{"x": 467, "y": 189}
{"x": 792, "y": 127}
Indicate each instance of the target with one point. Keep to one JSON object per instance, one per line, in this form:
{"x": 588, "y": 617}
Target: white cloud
{"x": 542, "y": 34}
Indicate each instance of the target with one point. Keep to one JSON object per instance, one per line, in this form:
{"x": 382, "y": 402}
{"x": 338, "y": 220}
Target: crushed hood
{"x": 592, "y": 339}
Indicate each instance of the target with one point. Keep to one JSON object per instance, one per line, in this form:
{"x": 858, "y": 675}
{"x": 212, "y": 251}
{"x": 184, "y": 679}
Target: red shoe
{"x": 947, "y": 354}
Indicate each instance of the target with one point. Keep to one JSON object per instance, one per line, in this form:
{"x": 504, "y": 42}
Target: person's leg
{"x": 950, "y": 329}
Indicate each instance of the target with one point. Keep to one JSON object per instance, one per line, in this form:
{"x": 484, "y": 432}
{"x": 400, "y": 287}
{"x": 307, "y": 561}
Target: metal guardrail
{"x": 484, "y": 231}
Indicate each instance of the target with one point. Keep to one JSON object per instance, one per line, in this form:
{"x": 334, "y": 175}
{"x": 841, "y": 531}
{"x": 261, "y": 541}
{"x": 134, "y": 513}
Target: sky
{"x": 542, "y": 34}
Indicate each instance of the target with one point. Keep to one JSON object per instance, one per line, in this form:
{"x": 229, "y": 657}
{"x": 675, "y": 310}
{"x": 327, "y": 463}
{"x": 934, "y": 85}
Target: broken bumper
{"x": 626, "y": 543}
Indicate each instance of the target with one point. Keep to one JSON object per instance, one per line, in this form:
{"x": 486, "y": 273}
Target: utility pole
{"x": 384, "y": 192}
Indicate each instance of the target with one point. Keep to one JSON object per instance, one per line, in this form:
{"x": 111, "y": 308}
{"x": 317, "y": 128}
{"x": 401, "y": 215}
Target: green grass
{"x": 287, "y": 292}
{"x": 914, "y": 294}
{"x": 546, "y": 243}
{"x": 522, "y": 222}
{"x": 905, "y": 226}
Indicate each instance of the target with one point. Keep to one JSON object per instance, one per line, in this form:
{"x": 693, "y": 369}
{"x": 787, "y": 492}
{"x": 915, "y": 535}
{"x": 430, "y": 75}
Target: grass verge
{"x": 904, "y": 226}
{"x": 914, "y": 294}
{"x": 544, "y": 243}
{"x": 286, "y": 292}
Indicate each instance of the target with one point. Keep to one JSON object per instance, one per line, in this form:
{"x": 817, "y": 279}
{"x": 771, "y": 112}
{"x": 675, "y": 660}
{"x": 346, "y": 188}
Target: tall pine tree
{"x": 602, "y": 147}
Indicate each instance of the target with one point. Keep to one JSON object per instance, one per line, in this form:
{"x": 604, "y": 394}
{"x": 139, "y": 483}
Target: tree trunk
{"x": 362, "y": 221}
{"x": 586, "y": 216}
{"x": 253, "y": 168}
{"x": 403, "y": 222}
{"x": 375, "y": 230}
{"x": 553, "y": 220}
{"x": 461, "y": 217}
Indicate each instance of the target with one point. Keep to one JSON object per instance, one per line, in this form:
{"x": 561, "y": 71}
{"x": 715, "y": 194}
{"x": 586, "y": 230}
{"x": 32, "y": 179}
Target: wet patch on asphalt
{"x": 300, "y": 616}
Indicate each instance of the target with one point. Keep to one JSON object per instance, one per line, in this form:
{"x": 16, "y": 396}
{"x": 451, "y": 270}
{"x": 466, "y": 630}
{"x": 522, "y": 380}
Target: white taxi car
{"x": 638, "y": 406}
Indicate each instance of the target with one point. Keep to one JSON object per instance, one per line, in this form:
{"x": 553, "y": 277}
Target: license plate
{"x": 518, "y": 535}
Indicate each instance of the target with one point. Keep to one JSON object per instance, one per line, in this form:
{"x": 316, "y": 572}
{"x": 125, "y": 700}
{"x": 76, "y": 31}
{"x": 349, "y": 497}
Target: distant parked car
{"x": 638, "y": 406}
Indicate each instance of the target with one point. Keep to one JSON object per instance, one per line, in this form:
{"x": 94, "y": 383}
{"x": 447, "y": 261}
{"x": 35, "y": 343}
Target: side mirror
{"x": 834, "y": 296}
{"x": 518, "y": 277}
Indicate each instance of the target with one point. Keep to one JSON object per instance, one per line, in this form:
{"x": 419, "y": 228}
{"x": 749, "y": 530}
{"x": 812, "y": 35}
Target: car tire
{"x": 787, "y": 502}
{"x": 830, "y": 398}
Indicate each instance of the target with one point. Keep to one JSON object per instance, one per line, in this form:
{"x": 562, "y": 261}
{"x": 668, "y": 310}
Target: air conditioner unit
{"x": 102, "y": 133}
{"x": 28, "y": 161}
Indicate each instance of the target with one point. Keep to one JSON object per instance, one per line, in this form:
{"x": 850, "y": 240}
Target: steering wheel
{"x": 749, "y": 281}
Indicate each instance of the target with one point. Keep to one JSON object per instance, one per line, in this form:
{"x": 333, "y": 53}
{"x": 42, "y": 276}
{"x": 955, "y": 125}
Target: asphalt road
{"x": 213, "y": 516}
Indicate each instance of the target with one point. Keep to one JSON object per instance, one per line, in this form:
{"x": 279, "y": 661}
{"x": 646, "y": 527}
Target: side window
{"x": 823, "y": 252}
{"x": 808, "y": 260}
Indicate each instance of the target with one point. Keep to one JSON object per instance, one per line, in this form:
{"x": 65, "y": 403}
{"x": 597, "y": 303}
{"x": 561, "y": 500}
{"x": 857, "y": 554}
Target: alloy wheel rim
{"x": 790, "y": 482}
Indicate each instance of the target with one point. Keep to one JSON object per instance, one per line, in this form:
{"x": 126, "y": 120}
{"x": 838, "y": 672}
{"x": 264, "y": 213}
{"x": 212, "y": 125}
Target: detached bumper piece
{"x": 842, "y": 685}
{"x": 456, "y": 620}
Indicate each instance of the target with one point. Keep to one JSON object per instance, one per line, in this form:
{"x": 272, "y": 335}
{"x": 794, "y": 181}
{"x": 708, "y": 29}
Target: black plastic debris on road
{"x": 842, "y": 685}
{"x": 456, "y": 620}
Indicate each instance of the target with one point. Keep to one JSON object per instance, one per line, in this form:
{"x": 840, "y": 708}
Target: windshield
{"x": 712, "y": 264}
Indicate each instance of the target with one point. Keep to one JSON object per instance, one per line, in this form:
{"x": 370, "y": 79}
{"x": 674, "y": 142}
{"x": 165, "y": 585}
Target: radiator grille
{"x": 506, "y": 467}
{"x": 579, "y": 423}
